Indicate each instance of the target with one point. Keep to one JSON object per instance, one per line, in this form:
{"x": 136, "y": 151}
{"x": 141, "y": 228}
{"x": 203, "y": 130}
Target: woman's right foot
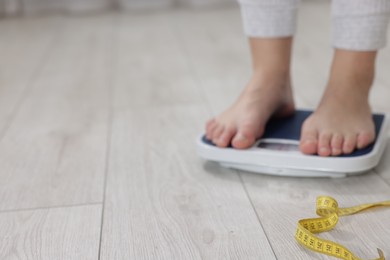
{"x": 265, "y": 96}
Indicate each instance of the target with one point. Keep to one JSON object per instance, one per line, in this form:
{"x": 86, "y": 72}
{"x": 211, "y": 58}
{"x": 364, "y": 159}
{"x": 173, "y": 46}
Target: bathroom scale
{"x": 277, "y": 152}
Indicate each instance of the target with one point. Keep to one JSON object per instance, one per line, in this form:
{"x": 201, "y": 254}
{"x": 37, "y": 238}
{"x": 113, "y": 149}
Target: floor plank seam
{"x": 254, "y": 209}
{"x": 50, "y": 207}
{"x": 109, "y": 128}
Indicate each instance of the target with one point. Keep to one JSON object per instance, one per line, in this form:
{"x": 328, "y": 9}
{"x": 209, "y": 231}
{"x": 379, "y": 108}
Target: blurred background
{"x": 18, "y": 7}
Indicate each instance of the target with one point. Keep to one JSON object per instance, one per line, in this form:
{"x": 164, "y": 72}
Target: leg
{"x": 268, "y": 92}
{"x": 343, "y": 121}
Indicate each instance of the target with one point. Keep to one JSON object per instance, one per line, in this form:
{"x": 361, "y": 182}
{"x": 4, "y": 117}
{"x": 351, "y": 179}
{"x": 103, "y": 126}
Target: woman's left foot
{"x": 340, "y": 125}
{"x": 343, "y": 121}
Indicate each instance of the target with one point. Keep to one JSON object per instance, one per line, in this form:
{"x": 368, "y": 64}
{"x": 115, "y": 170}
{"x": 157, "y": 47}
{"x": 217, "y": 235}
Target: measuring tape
{"x": 328, "y": 209}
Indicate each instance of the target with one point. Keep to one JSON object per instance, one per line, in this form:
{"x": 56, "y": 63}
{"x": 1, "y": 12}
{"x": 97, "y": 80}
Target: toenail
{"x": 360, "y": 145}
{"x": 241, "y": 138}
{"x": 336, "y": 151}
{"x": 324, "y": 150}
{"x": 348, "y": 149}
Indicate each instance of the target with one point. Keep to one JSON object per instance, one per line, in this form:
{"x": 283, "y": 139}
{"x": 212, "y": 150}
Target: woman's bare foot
{"x": 244, "y": 122}
{"x": 343, "y": 121}
{"x": 267, "y": 94}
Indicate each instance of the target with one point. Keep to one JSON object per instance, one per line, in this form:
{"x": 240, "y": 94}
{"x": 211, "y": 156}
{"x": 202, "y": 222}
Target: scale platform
{"x": 277, "y": 152}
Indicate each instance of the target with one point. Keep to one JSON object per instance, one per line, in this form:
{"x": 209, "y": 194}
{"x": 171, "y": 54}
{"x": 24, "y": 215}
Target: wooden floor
{"x": 98, "y": 116}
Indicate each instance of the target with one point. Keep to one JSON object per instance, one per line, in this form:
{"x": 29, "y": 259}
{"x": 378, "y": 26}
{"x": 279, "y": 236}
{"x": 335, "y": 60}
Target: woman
{"x": 342, "y": 122}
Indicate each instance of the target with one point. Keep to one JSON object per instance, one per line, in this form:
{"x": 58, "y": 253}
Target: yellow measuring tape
{"x": 328, "y": 209}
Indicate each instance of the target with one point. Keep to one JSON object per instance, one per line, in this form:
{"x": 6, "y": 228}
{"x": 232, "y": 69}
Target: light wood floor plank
{"x": 217, "y": 52}
{"x": 54, "y": 151}
{"x": 57, "y": 233}
{"x": 163, "y": 203}
{"x": 24, "y": 47}
{"x": 383, "y": 168}
{"x": 150, "y": 62}
{"x": 281, "y": 202}
{"x": 160, "y": 203}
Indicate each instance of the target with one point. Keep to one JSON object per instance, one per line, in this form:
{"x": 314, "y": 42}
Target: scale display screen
{"x": 285, "y": 147}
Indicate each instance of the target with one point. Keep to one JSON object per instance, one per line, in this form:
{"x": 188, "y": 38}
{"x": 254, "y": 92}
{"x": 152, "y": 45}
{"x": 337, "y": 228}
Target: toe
{"x": 364, "y": 139}
{"x": 210, "y": 123}
{"x": 244, "y": 138}
{"x": 349, "y": 143}
{"x": 336, "y": 144}
{"x": 210, "y": 127}
{"x": 217, "y": 133}
{"x": 309, "y": 140}
{"x": 226, "y": 137}
{"x": 324, "y": 144}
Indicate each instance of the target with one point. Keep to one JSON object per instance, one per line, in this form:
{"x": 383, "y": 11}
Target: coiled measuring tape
{"x": 329, "y": 212}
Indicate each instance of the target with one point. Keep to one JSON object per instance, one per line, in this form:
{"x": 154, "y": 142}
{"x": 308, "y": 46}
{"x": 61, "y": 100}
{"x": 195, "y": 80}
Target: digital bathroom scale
{"x": 277, "y": 152}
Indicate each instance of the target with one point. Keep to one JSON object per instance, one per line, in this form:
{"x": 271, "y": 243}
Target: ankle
{"x": 353, "y": 70}
{"x": 271, "y": 56}
{"x": 348, "y": 96}
{"x": 271, "y": 77}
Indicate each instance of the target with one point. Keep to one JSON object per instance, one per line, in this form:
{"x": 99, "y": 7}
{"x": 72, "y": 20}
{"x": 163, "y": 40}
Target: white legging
{"x": 356, "y": 24}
